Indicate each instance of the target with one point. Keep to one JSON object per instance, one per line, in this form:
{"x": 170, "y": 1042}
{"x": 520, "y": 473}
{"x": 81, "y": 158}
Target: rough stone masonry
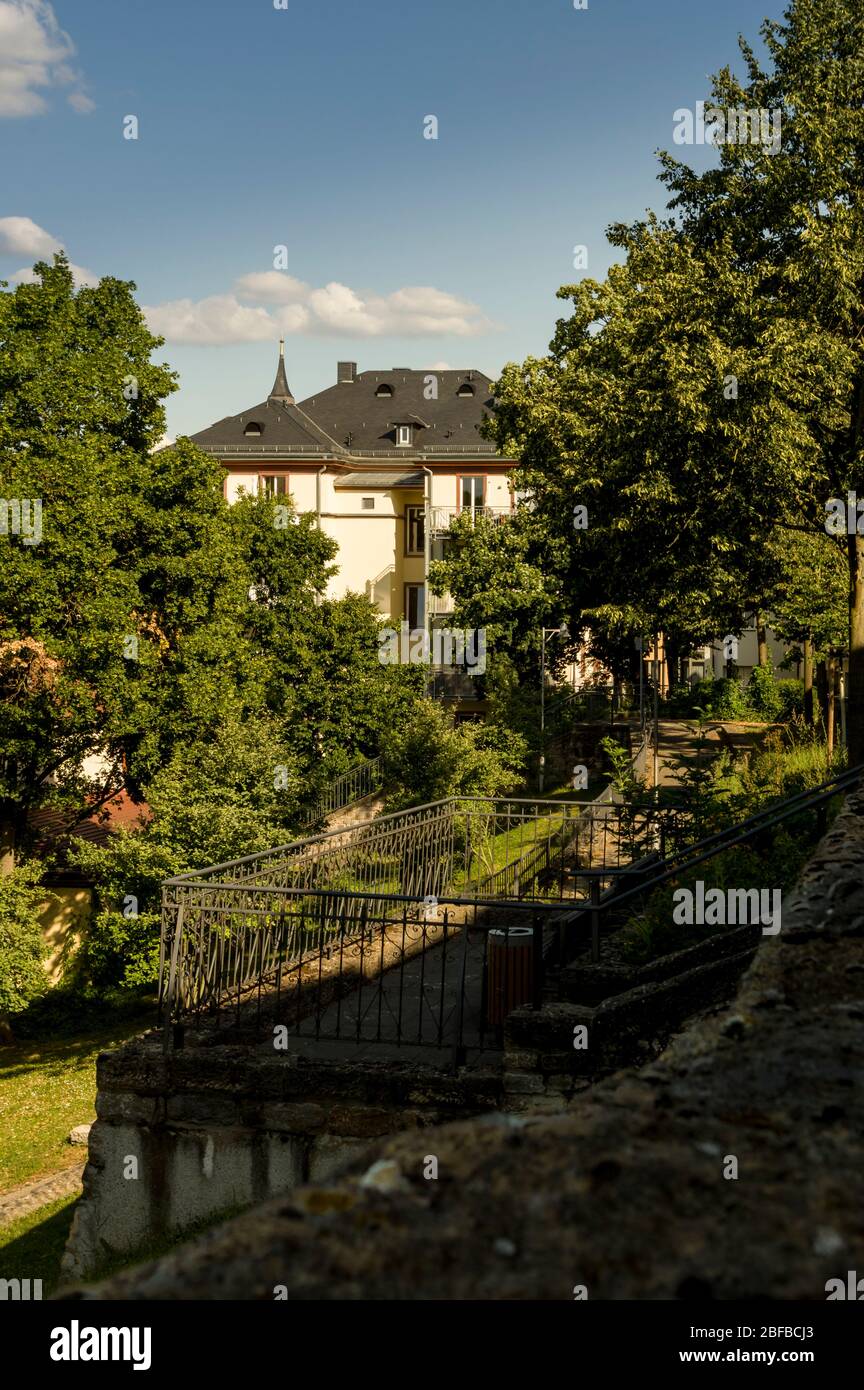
{"x": 628, "y": 1193}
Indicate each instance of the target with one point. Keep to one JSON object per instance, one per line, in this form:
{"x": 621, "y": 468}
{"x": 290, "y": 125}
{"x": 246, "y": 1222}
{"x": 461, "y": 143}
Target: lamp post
{"x": 656, "y": 666}
{"x": 640, "y": 647}
{"x": 564, "y": 631}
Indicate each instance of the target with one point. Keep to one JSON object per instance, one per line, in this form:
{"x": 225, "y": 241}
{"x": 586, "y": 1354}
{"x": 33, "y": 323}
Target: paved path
{"x": 38, "y": 1192}
{"x": 679, "y": 739}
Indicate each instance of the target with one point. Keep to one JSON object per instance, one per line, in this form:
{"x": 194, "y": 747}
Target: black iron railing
{"x": 387, "y": 934}
{"x": 232, "y": 927}
{"x": 371, "y": 970}
{"x": 360, "y": 781}
{"x": 672, "y": 863}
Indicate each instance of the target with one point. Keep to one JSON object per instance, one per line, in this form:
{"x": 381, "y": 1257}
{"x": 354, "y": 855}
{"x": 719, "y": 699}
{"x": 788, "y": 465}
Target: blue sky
{"x": 303, "y": 128}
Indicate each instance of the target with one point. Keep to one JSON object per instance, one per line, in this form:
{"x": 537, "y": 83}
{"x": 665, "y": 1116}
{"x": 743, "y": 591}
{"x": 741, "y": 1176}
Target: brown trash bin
{"x": 509, "y": 972}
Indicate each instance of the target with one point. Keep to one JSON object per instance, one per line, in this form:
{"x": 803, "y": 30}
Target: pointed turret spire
{"x": 281, "y": 390}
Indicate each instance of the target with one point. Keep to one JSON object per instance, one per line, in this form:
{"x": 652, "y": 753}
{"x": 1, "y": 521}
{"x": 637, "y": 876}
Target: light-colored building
{"x": 385, "y": 459}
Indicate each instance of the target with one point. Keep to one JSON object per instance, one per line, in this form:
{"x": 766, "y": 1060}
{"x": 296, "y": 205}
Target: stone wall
{"x": 610, "y": 1016}
{"x": 182, "y": 1137}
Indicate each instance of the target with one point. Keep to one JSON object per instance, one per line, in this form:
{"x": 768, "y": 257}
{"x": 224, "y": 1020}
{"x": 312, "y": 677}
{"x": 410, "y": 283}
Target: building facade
{"x": 385, "y": 460}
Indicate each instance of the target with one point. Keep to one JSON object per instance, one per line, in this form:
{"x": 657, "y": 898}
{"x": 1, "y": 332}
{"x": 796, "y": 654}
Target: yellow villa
{"x": 385, "y": 459}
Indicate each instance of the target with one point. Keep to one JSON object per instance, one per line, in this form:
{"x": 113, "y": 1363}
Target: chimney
{"x": 347, "y": 371}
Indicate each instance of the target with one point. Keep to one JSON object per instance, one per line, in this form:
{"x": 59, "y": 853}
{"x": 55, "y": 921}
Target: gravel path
{"x": 38, "y": 1192}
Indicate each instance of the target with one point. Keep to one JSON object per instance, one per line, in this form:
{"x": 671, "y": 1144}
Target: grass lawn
{"x": 46, "y": 1087}
{"x": 33, "y": 1247}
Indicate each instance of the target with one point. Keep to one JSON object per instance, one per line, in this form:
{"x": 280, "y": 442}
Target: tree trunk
{"x": 838, "y": 702}
{"x": 822, "y": 692}
{"x": 762, "y": 639}
{"x": 672, "y": 654}
{"x": 855, "y": 690}
{"x": 831, "y": 675}
{"x": 808, "y": 681}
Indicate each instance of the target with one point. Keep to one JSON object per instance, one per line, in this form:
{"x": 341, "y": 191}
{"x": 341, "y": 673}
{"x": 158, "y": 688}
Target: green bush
{"x": 431, "y": 758}
{"x": 763, "y": 694}
{"x": 212, "y": 802}
{"x": 67, "y": 1010}
{"x": 727, "y": 700}
{"x": 22, "y": 945}
{"x": 765, "y": 698}
{"x": 791, "y": 694}
{"x": 625, "y": 781}
{"x": 721, "y": 792}
{"x": 652, "y": 931}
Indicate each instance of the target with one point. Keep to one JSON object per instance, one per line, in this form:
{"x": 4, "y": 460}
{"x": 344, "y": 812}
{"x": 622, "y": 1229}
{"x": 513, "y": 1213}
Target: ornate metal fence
{"x": 355, "y": 784}
{"x": 242, "y": 925}
{"x": 361, "y": 970}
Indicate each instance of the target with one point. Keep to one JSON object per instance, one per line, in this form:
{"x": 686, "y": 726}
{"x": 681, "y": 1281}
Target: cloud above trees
{"x": 36, "y": 56}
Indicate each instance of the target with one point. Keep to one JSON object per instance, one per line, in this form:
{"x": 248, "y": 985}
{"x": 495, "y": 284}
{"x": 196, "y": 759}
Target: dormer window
{"x": 465, "y": 390}
{"x": 253, "y": 430}
{"x": 403, "y": 435}
{"x": 384, "y": 390}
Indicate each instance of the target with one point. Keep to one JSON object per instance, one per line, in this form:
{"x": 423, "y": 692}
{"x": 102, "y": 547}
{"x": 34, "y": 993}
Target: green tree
{"x": 653, "y": 479}
{"x": 503, "y": 580}
{"x": 80, "y": 411}
{"x": 214, "y": 800}
{"x": 795, "y": 216}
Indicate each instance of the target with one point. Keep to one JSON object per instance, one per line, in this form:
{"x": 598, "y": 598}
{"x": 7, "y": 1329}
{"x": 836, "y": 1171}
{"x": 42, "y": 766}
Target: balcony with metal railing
{"x": 440, "y": 518}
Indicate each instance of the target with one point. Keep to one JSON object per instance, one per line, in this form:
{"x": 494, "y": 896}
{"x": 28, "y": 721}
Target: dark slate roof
{"x": 284, "y": 430}
{"x": 451, "y": 422}
{"x": 281, "y": 390}
{"x": 351, "y": 419}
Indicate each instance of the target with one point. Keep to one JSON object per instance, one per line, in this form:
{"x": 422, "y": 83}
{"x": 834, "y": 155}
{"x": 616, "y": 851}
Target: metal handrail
{"x": 672, "y": 866}
{"x": 347, "y": 789}
{"x": 243, "y": 934}
{"x": 381, "y": 822}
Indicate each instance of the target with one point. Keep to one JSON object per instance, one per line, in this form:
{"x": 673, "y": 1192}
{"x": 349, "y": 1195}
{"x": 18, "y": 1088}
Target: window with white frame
{"x": 403, "y": 435}
{"x": 471, "y": 490}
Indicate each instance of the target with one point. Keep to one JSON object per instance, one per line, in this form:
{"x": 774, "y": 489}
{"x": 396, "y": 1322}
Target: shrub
{"x": 22, "y": 945}
{"x": 214, "y": 801}
{"x": 763, "y": 694}
{"x": 726, "y": 699}
{"x": 791, "y": 694}
{"x": 625, "y": 781}
{"x": 431, "y": 758}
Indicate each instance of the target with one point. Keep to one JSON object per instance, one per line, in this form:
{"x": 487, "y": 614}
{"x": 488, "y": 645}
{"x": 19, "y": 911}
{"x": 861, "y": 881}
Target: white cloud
{"x": 262, "y": 304}
{"x": 279, "y": 302}
{"x": 219, "y": 319}
{"x": 21, "y": 236}
{"x": 294, "y": 318}
{"x": 34, "y": 54}
{"x": 416, "y": 311}
{"x": 338, "y": 308}
{"x": 272, "y": 287}
{"x": 80, "y": 102}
